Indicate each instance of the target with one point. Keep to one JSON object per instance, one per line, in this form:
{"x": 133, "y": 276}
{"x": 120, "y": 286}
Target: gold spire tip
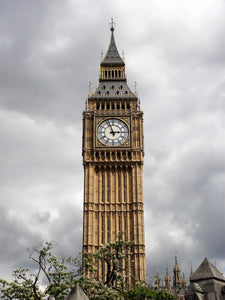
{"x": 112, "y": 24}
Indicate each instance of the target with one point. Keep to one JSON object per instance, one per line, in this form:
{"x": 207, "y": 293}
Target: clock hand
{"x": 111, "y": 129}
{"x": 114, "y": 132}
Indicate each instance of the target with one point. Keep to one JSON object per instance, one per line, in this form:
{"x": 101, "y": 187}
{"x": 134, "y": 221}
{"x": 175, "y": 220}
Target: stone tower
{"x": 113, "y": 151}
{"x": 177, "y": 281}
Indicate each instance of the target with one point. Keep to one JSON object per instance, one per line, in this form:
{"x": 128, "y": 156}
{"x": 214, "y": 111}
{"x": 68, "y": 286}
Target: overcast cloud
{"x": 175, "y": 50}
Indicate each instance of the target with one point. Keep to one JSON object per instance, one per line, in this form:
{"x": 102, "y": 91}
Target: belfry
{"x": 113, "y": 152}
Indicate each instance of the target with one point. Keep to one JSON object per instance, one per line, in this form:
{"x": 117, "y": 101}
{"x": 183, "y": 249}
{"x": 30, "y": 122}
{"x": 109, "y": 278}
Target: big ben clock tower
{"x": 113, "y": 152}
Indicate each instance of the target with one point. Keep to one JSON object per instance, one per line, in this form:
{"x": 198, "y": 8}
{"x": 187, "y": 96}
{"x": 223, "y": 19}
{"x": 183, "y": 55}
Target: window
{"x": 124, "y": 187}
{"x": 102, "y": 225}
{"x": 119, "y": 187}
{"x": 125, "y": 227}
{"x": 103, "y": 187}
{"x": 108, "y": 228}
{"x": 108, "y": 185}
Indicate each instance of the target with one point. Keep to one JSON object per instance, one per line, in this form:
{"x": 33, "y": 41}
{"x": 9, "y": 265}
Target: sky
{"x": 49, "y": 52}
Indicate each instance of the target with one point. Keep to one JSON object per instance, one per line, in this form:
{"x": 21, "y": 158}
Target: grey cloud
{"x": 49, "y": 53}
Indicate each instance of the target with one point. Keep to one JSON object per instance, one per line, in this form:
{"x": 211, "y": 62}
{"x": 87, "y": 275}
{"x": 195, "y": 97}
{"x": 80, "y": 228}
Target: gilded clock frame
{"x": 100, "y": 119}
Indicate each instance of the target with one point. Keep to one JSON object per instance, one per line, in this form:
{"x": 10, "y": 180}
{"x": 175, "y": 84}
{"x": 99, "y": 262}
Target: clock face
{"x": 113, "y": 132}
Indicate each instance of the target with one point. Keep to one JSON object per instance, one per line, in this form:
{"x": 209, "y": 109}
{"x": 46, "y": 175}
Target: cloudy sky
{"x": 175, "y": 50}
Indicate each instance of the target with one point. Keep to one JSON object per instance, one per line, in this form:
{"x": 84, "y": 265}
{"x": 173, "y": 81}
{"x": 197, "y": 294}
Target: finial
{"x": 135, "y": 87}
{"x": 123, "y": 57}
{"x": 191, "y": 272}
{"x": 101, "y": 55}
{"x": 112, "y": 25}
{"x": 176, "y": 256}
{"x": 90, "y": 86}
{"x": 167, "y": 267}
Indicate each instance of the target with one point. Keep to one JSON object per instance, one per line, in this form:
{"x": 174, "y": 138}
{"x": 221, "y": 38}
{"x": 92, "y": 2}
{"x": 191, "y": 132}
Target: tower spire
{"x": 112, "y": 56}
{"x": 167, "y": 280}
{"x": 112, "y": 79}
{"x": 177, "y": 282}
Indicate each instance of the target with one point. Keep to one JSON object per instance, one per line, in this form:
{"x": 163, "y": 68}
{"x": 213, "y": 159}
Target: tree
{"x": 113, "y": 256}
{"x": 58, "y": 275}
{"x": 54, "y": 277}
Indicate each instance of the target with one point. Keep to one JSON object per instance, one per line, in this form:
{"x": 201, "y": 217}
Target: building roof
{"x": 206, "y": 270}
{"x": 114, "y": 89}
{"x": 112, "y": 56}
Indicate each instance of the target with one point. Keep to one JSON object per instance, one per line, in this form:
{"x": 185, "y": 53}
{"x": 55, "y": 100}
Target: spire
{"x": 191, "y": 272}
{"x": 167, "y": 280}
{"x": 157, "y": 279}
{"x": 184, "y": 281}
{"x": 112, "y": 56}
{"x": 177, "y": 282}
{"x": 112, "y": 79}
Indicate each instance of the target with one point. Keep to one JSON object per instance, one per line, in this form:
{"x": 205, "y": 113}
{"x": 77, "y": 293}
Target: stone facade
{"x": 113, "y": 151}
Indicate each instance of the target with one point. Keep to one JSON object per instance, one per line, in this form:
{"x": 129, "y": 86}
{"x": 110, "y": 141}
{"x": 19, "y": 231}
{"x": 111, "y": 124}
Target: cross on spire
{"x": 112, "y": 24}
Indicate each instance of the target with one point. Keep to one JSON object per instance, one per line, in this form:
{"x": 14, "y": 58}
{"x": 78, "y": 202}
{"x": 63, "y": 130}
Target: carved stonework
{"x": 113, "y": 165}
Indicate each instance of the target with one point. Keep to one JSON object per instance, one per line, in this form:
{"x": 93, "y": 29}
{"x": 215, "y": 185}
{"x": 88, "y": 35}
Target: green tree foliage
{"x": 142, "y": 292}
{"x": 112, "y": 255}
{"x": 54, "y": 277}
{"x": 58, "y": 275}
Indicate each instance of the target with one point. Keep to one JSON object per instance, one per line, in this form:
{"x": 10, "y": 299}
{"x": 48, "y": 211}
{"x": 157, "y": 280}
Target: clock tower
{"x": 113, "y": 152}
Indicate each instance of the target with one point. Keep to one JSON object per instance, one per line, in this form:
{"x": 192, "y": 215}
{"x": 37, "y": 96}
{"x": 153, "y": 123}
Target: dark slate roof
{"x": 112, "y": 89}
{"x": 207, "y": 270}
{"x": 112, "y": 55}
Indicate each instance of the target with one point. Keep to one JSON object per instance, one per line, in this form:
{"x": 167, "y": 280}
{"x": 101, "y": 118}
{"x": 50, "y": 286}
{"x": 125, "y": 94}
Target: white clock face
{"x": 113, "y": 132}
